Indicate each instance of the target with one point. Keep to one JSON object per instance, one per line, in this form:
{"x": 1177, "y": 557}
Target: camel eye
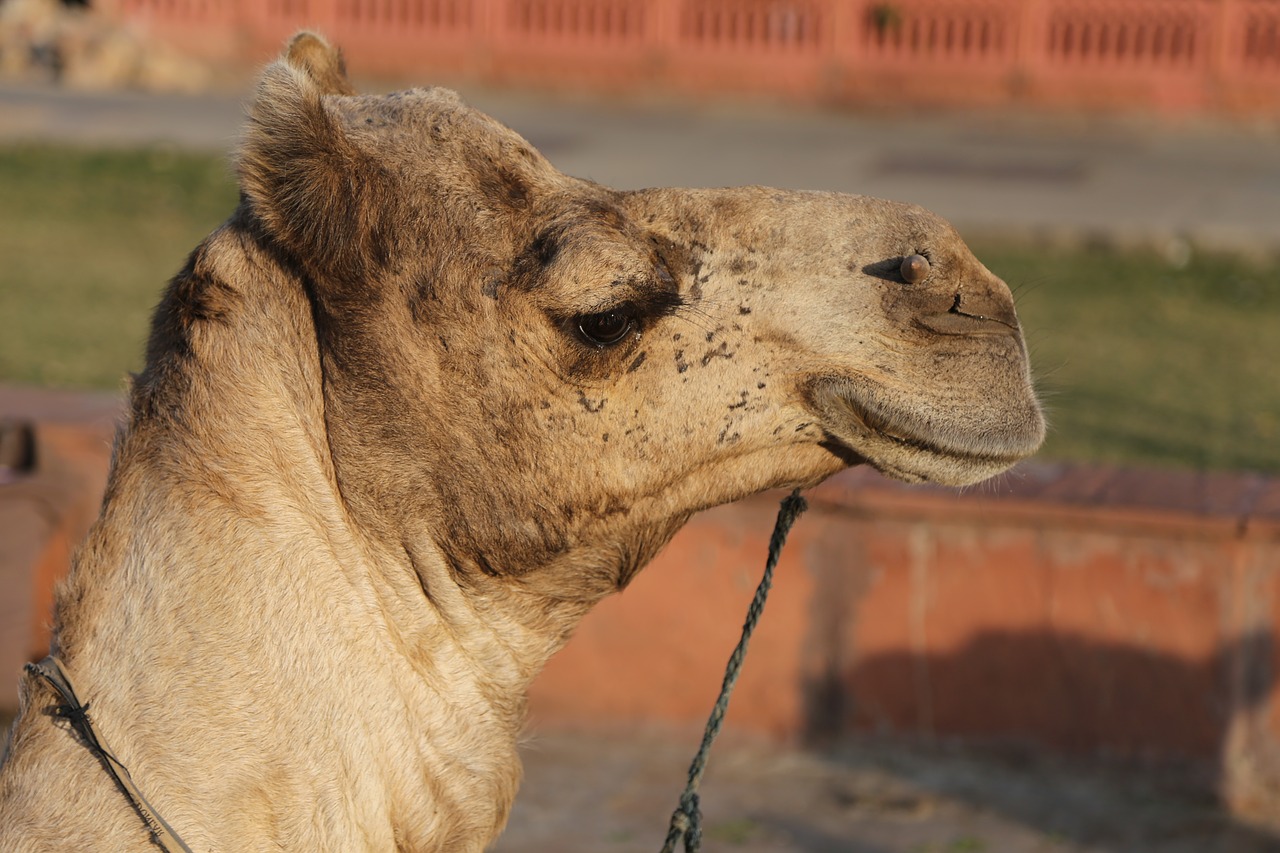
{"x": 914, "y": 269}
{"x": 606, "y": 328}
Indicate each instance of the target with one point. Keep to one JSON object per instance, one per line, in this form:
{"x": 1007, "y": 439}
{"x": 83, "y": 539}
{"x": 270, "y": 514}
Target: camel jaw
{"x": 861, "y": 416}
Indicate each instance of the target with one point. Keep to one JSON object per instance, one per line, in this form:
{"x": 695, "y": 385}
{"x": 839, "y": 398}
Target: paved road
{"x": 1128, "y": 180}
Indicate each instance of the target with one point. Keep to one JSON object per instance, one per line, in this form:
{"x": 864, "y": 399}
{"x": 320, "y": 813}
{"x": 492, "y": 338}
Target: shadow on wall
{"x": 1014, "y": 692}
{"x": 1064, "y": 691}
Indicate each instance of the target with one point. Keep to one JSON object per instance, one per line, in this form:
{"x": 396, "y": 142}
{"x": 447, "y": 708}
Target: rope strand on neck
{"x": 686, "y": 820}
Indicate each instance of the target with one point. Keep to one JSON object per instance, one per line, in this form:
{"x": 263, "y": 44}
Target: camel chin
{"x": 901, "y": 443}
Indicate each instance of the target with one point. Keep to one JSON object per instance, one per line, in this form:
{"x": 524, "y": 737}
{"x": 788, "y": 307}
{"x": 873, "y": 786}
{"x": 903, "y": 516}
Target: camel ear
{"x": 320, "y": 61}
{"x": 305, "y": 180}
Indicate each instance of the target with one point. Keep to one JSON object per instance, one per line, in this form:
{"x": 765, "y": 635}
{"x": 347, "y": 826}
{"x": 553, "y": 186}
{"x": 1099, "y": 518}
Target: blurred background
{"x": 1077, "y": 656}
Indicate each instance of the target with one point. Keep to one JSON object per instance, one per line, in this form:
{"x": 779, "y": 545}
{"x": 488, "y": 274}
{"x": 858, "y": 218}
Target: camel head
{"x": 535, "y": 370}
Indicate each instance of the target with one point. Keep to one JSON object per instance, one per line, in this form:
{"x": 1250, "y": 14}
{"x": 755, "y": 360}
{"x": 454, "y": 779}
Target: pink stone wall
{"x": 1077, "y": 609}
{"x": 1168, "y": 55}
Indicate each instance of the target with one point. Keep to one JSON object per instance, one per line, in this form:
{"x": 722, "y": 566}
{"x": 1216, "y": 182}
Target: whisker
{"x": 693, "y": 317}
{"x": 1026, "y": 288}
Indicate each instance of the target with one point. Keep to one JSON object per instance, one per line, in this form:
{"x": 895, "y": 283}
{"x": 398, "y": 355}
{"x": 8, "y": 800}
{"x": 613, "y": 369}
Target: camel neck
{"x": 249, "y": 617}
{"x": 503, "y": 629}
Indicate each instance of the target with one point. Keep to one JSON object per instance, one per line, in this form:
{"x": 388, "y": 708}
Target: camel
{"x": 411, "y": 411}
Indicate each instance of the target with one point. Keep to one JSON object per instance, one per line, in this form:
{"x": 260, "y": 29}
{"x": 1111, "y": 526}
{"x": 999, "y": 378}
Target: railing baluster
{"x": 1198, "y": 48}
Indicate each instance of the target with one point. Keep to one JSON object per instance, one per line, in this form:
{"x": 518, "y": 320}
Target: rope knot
{"x": 76, "y": 715}
{"x": 686, "y": 824}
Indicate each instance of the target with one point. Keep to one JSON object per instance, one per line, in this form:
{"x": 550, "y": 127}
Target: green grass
{"x": 1145, "y": 363}
{"x": 1141, "y": 362}
{"x": 735, "y": 832}
{"x": 88, "y": 240}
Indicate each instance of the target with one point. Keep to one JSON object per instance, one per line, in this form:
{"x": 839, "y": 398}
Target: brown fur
{"x": 374, "y": 472}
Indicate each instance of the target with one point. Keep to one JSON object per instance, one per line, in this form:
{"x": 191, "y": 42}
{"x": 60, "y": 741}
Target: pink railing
{"x": 1175, "y": 54}
{"x": 1170, "y": 35}
{"x": 1257, "y": 37}
{"x": 940, "y": 34}
{"x": 595, "y": 22}
{"x": 754, "y": 26}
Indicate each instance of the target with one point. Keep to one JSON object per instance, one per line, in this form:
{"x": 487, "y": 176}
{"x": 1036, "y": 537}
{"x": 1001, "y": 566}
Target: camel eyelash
{"x": 643, "y": 307}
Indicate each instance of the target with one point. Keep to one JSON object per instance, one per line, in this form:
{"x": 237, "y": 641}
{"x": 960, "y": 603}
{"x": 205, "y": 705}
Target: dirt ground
{"x": 614, "y": 794}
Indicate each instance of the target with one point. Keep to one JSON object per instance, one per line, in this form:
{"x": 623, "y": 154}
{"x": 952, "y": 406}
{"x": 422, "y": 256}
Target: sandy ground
{"x": 615, "y": 794}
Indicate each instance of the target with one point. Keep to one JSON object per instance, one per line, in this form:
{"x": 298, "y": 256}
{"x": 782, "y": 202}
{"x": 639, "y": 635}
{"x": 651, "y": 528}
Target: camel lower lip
{"x": 916, "y": 442}
{"x": 892, "y": 445}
